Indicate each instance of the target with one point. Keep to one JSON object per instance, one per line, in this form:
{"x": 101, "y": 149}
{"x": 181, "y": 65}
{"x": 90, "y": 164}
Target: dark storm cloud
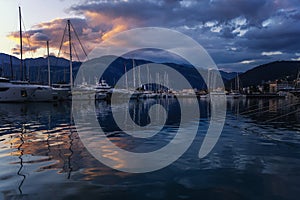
{"x": 251, "y": 27}
{"x": 237, "y": 33}
{"x": 181, "y": 12}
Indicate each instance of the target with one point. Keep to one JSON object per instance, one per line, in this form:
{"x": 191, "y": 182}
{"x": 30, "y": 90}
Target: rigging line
{"x": 27, "y": 37}
{"x": 252, "y": 106}
{"x": 253, "y": 110}
{"x": 272, "y": 119}
{"x": 61, "y": 44}
{"x": 79, "y": 41}
{"x": 30, "y": 49}
{"x": 74, "y": 49}
{"x": 281, "y": 106}
{"x": 247, "y": 129}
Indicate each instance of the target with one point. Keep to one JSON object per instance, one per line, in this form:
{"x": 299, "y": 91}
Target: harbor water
{"x": 256, "y": 157}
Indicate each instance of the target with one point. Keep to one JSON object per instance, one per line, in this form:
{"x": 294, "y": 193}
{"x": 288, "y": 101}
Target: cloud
{"x": 218, "y": 25}
{"x": 247, "y": 61}
{"x": 53, "y": 31}
{"x": 271, "y": 53}
{"x": 231, "y": 31}
{"x": 296, "y": 59}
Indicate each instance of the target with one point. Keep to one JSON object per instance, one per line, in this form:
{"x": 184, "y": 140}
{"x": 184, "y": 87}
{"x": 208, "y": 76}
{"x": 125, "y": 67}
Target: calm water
{"x": 256, "y": 157}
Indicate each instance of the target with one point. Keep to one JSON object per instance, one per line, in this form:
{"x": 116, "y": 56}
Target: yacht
{"x": 61, "y": 92}
{"x": 22, "y": 91}
{"x": 235, "y": 94}
{"x": 103, "y": 90}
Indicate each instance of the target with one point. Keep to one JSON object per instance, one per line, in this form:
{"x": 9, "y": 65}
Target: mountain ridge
{"x": 60, "y": 70}
{"x": 284, "y": 70}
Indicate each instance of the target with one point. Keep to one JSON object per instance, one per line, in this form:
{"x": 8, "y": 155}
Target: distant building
{"x": 276, "y": 86}
{"x": 273, "y": 87}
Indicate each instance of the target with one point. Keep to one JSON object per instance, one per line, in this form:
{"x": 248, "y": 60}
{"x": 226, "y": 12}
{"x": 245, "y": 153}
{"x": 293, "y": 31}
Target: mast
{"x": 133, "y": 71}
{"x": 11, "y": 68}
{"x": 140, "y": 83}
{"x": 148, "y": 77}
{"x": 21, "y": 45}
{"x": 70, "y": 47}
{"x": 126, "y": 78}
{"x": 208, "y": 81}
{"x": 49, "y": 76}
{"x": 237, "y": 82}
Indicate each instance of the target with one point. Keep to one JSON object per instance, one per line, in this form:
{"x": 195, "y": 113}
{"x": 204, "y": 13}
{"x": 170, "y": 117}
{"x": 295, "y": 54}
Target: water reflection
{"x": 258, "y": 153}
{"x": 267, "y": 111}
{"x": 21, "y": 161}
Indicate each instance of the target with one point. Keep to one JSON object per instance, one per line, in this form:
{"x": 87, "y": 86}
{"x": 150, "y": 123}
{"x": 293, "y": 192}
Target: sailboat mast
{"x": 49, "y": 76}
{"x": 140, "y": 83}
{"x": 133, "y": 71}
{"x": 70, "y": 47}
{"x": 21, "y": 45}
{"x": 237, "y": 82}
{"x": 11, "y": 68}
{"x": 126, "y": 77}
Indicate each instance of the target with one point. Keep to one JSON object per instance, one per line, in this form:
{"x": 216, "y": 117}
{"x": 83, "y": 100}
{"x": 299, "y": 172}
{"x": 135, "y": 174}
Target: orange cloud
{"x": 112, "y": 25}
{"x": 91, "y": 30}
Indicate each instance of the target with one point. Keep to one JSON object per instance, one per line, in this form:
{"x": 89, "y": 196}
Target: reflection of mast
{"x": 48, "y": 136}
{"x": 21, "y": 161}
{"x": 70, "y": 147}
{"x": 71, "y": 153}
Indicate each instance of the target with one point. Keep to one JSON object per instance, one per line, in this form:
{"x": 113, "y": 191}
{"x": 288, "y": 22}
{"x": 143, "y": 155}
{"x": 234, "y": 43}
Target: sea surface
{"x": 256, "y": 157}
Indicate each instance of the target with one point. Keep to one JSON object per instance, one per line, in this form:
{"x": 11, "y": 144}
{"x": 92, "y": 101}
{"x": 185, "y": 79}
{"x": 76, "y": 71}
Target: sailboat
{"x": 21, "y": 90}
{"x": 235, "y": 94}
{"x": 59, "y": 92}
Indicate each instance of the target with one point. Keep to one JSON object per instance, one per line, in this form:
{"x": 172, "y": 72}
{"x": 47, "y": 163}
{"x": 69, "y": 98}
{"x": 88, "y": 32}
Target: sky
{"x": 238, "y": 34}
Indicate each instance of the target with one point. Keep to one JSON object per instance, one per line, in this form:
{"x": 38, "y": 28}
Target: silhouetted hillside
{"x": 269, "y": 72}
{"x": 37, "y": 70}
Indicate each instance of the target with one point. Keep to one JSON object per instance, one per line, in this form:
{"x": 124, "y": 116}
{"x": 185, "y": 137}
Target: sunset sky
{"x": 238, "y": 34}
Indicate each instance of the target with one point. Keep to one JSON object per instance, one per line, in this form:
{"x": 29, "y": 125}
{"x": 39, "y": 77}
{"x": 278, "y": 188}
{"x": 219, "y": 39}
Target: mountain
{"x": 4, "y": 58}
{"x": 37, "y": 70}
{"x": 228, "y": 75}
{"x": 269, "y": 72}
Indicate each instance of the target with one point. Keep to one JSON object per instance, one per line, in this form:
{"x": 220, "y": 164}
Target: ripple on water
{"x": 41, "y": 155}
